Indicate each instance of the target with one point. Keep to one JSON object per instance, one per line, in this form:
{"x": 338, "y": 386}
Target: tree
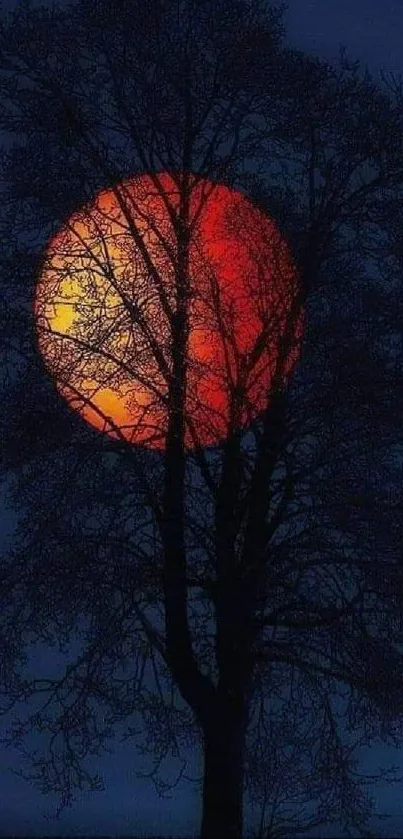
{"x": 217, "y": 592}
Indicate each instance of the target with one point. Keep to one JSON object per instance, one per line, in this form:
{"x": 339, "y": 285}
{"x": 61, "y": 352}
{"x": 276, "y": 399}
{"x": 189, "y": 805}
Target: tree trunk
{"x": 223, "y": 779}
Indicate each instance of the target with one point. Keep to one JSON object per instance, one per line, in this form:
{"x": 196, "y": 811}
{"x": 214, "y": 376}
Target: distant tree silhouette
{"x": 246, "y": 596}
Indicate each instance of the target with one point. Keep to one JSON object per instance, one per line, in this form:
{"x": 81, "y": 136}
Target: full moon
{"x": 107, "y": 296}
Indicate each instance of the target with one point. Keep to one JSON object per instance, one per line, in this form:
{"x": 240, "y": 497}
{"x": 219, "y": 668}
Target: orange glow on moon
{"x": 107, "y": 288}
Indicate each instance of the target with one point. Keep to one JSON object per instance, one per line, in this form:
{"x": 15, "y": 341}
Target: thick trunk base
{"x": 223, "y": 783}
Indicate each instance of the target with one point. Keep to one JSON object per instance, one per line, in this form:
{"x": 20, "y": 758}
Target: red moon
{"x": 108, "y": 285}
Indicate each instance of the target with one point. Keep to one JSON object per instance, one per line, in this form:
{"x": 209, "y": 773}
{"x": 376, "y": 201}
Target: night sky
{"x": 372, "y": 31}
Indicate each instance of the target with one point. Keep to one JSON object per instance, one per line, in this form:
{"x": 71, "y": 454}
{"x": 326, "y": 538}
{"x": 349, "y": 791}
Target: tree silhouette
{"x": 248, "y": 593}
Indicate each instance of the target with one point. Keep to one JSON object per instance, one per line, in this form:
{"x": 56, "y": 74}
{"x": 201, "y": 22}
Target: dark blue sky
{"x": 372, "y": 31}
